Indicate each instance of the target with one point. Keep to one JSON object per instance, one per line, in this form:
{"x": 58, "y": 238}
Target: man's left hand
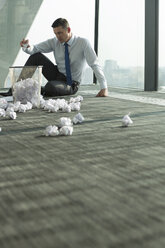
{"x": 103, "y": 92}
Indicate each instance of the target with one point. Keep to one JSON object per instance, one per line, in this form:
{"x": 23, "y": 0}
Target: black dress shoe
{"x": 8, "y": 93}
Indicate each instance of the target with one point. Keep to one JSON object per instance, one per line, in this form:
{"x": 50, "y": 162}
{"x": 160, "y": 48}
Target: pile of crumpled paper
{"x": 27, "y": 90}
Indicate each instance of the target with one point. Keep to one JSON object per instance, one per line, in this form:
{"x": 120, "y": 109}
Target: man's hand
{"x": 24, "y": 43}
{"x": 103, "y": 92}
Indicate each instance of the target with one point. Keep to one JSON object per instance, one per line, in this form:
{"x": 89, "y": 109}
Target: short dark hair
{"x": 60, "y": 22}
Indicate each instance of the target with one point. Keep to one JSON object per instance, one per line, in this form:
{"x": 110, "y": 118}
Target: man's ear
{"x": 69, "y": 29}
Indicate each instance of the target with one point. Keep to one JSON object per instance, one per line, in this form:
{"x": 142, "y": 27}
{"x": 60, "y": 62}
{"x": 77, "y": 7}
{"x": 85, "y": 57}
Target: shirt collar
{"x": 69, "y": 42}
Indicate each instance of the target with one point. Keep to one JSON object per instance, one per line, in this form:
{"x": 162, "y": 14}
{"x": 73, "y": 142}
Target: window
{"x": 121, "y": 42}
{"x": 161, "y": 45}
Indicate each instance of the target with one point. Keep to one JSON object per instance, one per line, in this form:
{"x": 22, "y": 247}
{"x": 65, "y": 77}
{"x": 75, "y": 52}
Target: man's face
{"x": 62, "y": 34}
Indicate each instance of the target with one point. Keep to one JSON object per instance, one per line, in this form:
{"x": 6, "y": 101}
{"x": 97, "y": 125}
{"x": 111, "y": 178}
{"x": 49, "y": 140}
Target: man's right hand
{"x": 24, "y": 43}
{"x": 103, "y": 92}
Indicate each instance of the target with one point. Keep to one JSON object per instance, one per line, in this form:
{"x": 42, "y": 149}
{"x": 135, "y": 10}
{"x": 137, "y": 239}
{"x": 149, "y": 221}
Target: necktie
{"x": 67, "y": 65}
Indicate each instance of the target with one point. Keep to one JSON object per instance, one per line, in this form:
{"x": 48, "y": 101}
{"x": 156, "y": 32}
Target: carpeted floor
{"x": 102, "y": 187}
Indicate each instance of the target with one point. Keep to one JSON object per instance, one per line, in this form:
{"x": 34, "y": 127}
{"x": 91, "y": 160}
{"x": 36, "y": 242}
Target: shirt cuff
{"x": 103, "y": 85}
{"x": 27, "y": 50}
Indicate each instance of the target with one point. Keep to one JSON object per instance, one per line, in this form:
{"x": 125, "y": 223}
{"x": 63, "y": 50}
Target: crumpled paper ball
{"x": 64, "y": 121}
{"x": 28, "y": 105}
{"x": 51, "y": 131}
{"x": 78, "y": 118}
{"x": 3, "y": 103}
{"x": 126, "y": 121}
{"x": 66, "y": 108}
{"x": 51, "y": 105}
{"x": 9, "y": 109}
{"x": 53, "y": 109}
{"x": 75, "y": 106}
{"x": 66, "y": 130}
{"x": 61, "y": 103}
{"x": 10, "y": 113}
{"x": 76, "y": 99}
{"x": 2, "y": 112}
{"x": 22, "y": 108}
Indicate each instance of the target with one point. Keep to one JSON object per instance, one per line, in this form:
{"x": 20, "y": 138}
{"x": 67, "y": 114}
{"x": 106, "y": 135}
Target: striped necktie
{"x": 67, "y": 65}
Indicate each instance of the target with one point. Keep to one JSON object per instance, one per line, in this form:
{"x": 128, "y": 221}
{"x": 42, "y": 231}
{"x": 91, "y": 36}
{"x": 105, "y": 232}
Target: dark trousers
{"x": 56, "y": 85}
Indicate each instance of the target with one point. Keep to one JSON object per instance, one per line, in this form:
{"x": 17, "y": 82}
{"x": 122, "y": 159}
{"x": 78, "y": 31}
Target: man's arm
{"x": 93, "y": 62}
{"x": 43, "y": 47}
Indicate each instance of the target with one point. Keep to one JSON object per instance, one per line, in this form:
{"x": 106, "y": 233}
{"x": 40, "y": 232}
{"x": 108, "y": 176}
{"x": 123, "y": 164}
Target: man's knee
{"x": 35, "y": 55}
{"x": 34, "y": 59}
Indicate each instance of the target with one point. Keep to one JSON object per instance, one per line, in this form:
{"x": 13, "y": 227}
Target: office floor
{"x": 102, "y": 187}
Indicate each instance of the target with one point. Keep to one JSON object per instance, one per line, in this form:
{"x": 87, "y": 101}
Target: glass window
{"x": 121, "y": 42}
{"x": 161, "y": 45}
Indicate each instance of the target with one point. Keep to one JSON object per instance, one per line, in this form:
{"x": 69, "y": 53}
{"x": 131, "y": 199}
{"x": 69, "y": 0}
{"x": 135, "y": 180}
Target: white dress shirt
{"x": 80, "y": 51}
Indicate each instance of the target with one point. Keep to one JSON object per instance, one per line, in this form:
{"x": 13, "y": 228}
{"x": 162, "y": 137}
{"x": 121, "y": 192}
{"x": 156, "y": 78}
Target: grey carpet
{"x": 102, "y": 187}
